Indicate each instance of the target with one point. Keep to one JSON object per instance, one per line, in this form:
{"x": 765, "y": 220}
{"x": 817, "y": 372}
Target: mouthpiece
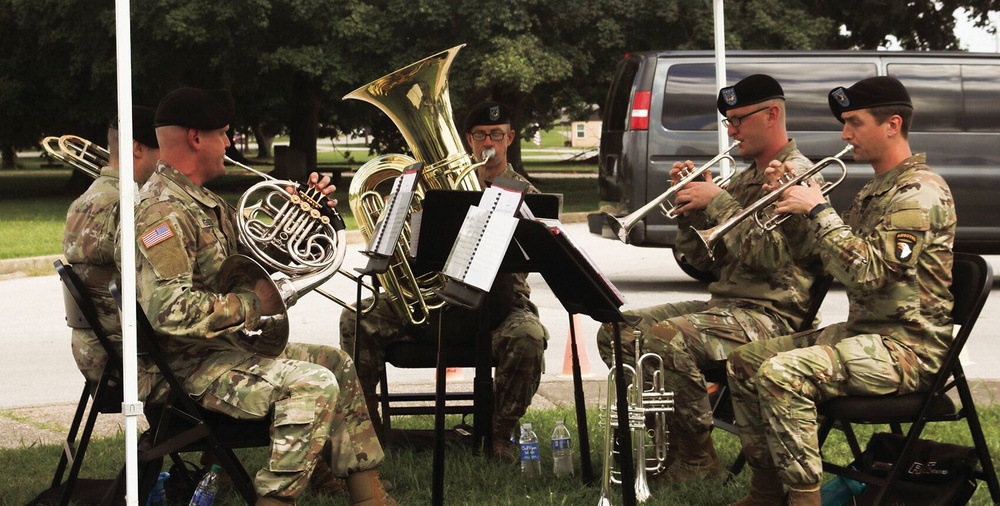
{"x": 487, "y": 154}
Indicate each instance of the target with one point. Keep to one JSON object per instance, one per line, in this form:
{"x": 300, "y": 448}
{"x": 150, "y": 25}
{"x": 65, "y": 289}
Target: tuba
{"x": 416, "y": 100}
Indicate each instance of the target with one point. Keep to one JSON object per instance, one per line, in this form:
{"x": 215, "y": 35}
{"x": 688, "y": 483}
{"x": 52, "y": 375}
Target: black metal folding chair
{"x": 972, "y": 280}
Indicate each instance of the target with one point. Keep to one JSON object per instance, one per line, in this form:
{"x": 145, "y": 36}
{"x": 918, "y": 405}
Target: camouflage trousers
{"x": 518, "y": 349}
{"x": 776, "y": 385}
{"x": 690, "y": 337}
{"x": 317, "y": 402}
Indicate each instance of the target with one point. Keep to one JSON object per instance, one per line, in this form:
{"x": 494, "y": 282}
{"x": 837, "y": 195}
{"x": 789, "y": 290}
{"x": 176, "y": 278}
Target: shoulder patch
{"x": 156, "y": 235}
{"x": 905, "y": 242}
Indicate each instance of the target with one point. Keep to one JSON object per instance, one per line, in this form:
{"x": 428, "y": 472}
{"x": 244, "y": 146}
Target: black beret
{"x": 867, "y": 93}
{"x": 195, "y": 108}
{"x": 487, "y": 113}
{"x": 142, "y": 125}
{"x": 750, "y": 90}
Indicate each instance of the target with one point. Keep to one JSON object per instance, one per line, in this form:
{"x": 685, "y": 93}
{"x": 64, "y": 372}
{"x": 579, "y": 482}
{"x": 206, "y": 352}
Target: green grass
{"x": 33, "y": 201}
{"x": 470, "y": 479}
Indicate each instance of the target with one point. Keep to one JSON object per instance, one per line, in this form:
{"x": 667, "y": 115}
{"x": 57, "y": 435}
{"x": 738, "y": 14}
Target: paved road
{"x": 38, "y": 369}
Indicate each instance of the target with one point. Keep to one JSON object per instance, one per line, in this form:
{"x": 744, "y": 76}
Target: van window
{"x": 981, "y": 91}
{"x": 936, "y": 92}
{"x": 689, "y": 97}
{"x": 620, "y": 94}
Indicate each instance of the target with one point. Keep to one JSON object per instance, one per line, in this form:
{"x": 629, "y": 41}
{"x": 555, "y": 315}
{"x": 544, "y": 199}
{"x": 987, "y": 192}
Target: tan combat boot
{"x": 503, "y": 450}
{"x": 323, "y": 481}
{"x": 804, "y": 496}
{"x": 696, "y": 459}
{"x": 366, "y": 489}
{"x": 765, "y": 489}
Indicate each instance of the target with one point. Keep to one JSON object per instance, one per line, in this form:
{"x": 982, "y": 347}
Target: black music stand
{"x": 581, "y": 288}
{"x": 446, "y": 210}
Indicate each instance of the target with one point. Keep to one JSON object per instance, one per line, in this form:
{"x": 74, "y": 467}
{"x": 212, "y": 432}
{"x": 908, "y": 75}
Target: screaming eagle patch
{"x": 904, "y": 245}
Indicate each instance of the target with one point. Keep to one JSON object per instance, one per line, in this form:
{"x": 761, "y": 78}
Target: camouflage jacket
{"x": 756, "y": 268}
{"x": 892, "y": 250}
{"x": 183, "y": 234}
{"x": 89, "y": 245}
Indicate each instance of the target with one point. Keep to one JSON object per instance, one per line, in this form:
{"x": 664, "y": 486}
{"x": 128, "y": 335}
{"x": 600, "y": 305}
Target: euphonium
{"x": 416, "y": 100}
{"x": 647, "y": 407}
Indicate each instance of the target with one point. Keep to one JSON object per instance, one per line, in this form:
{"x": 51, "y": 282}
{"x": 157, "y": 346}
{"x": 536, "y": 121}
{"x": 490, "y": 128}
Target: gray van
{"x": 661, "y": 109}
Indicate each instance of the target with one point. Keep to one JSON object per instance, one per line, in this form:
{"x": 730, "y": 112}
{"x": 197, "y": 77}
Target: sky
{"x": 976, "y": 39}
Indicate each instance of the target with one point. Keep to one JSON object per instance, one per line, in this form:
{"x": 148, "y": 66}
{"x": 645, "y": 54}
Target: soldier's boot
{"x": 503, "y": 450}
{"x": 322, "y": 480}
{"x": 804, "y": 496}
{"x": 696, "y": 459}
{"x": 766, "y": 489}
{"x": 365, "y": 489}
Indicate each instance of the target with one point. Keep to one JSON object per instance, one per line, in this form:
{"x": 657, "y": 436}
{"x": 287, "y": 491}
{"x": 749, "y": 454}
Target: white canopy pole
{"x": 719, "y": 24}
{"x": 131, "y": 407}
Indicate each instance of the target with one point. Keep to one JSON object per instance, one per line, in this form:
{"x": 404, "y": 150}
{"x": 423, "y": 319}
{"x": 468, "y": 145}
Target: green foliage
{"x": 471, "y": 479}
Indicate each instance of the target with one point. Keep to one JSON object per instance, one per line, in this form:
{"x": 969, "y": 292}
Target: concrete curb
{"x": 42, "y": 266}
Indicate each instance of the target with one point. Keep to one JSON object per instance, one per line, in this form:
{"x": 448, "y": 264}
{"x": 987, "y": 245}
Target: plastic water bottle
{"x": 157, "y": 496}
{"x": 562, "y": 451}
{"x": 204, "y": 495}
{"x": 531, "y": 465}
{"x": 840, "y": 490}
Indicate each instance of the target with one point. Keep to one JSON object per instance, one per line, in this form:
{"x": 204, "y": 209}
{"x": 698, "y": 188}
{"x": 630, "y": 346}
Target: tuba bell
{"x": 416, "y": 100}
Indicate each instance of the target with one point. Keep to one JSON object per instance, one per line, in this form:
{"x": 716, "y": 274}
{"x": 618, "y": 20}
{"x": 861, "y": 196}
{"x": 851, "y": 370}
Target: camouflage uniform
{"x": 519, "y": 343}
{"x": 893, "y": 253}
{"x": 89, "y": 245}
{"x": 762, "y": 292}
{"x": 312, "y": 390}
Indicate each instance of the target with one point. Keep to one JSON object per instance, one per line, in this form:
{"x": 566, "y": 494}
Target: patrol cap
{"x": 868, "y": 93}
{"x": 142, "y": 125}
{"x": 196, "y": 108}
{"x": 750, "y": 90}
{"x": 487, "y": 113}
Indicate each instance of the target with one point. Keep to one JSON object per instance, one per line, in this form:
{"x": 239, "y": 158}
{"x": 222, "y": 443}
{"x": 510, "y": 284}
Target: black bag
{"x": 937, "y": 474}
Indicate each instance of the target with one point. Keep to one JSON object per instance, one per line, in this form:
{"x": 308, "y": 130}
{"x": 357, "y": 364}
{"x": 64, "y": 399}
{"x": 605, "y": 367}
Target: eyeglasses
{"x": 735, "y": 121}
{"x": 496, "y": 135}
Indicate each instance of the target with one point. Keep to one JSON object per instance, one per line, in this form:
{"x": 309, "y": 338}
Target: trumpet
{"x": 622, "y": 226}
{"x": 82, "y": 154}
{"x": 758, "y": 210}
{"x": 644, "y": 405}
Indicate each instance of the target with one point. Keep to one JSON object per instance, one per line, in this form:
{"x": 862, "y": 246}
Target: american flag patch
{"x": 157, "y": 235}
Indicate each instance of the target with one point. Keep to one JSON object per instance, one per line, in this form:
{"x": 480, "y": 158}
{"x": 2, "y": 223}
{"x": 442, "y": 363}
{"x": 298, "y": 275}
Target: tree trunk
{"x": 514, "y": 103}
{"x": 9, "y": 156}
{"x": 264, "y": 142}
{"x": 303, "y": 129}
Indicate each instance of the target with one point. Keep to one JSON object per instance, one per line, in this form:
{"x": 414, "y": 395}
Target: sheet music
{"x": 483, "y": 239}
{"x": 390, "y": 223}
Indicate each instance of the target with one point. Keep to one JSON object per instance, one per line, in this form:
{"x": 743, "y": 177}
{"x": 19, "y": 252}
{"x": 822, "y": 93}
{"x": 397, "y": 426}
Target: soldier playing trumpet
{"x": 763, "y": 287}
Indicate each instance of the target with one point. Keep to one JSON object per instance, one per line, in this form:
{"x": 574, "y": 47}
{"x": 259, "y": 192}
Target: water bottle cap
{"x": 526, "y": 426}
{"x": 216, "y": 468}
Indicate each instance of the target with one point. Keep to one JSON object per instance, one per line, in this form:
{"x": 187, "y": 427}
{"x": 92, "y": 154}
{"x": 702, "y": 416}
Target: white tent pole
{"x": 131, "y": 407}
{"x": 719, "y": 25}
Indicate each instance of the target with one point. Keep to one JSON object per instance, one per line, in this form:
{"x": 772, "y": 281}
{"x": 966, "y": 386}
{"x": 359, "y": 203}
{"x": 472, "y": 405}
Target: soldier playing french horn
{"x": 184, "y": 234}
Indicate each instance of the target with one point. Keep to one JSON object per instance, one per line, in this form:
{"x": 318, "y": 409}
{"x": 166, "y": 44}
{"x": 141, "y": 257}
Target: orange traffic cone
{"x": 452, "y": 374}
{"x": 581, "y": 350}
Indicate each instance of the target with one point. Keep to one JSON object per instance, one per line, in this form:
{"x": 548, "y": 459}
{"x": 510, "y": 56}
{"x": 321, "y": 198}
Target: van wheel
{"x": 690, "y": 270}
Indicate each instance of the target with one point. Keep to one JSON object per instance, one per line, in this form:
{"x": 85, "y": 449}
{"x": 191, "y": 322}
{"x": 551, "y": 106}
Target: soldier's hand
{"x": 270, "y": 300}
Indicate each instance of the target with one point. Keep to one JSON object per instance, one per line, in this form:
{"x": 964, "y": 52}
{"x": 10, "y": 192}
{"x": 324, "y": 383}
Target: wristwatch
{"x": 818, "y": 208}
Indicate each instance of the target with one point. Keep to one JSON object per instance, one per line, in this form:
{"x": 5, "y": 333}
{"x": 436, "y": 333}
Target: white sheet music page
{"x": 483, "y": 239}
{"x": 390, "y": 224}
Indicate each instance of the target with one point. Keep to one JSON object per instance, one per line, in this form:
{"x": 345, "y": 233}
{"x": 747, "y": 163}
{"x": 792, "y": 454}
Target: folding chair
{"x": 102, "y": 396}
{"x": 722, "y": 407}
{"x": 971, "y": 284}
{"x": 179, "y": 425}
{"x": 423, "y": 354}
